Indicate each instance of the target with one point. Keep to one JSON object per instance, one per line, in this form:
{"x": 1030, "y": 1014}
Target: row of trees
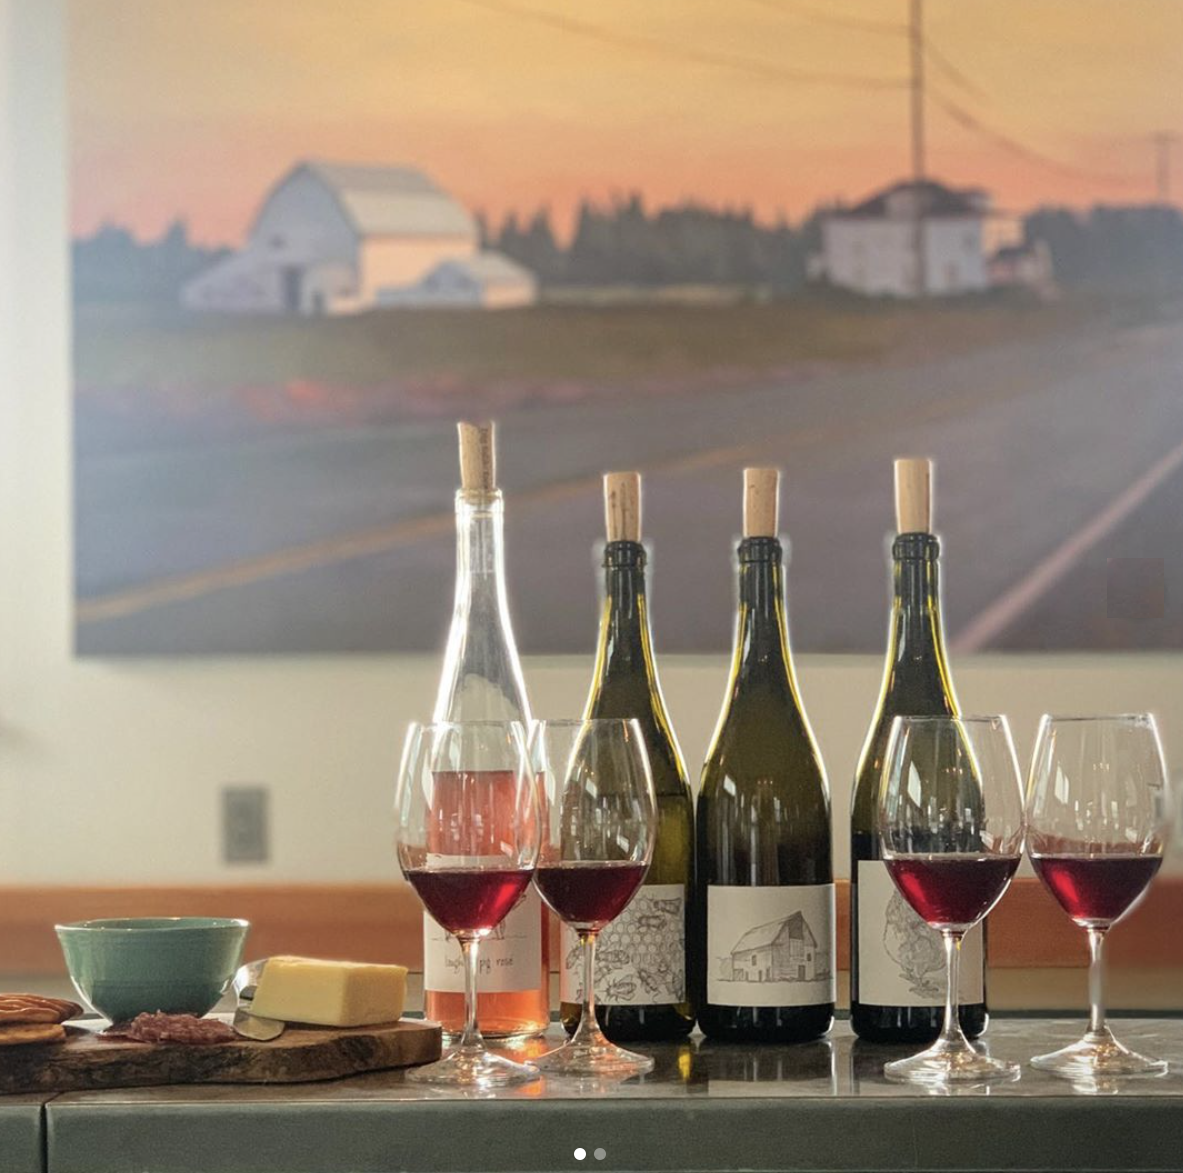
{"x": 624, "y": 244}
{"x": 113, "y": 266}
{"x": 1118, "y": 248}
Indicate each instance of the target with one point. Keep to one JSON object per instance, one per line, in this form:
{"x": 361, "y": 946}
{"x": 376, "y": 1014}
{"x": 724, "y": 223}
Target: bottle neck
{"x": 761, "y": 641}
{"x": 626, "y": 646}
{"x": 480, "y": 545}
{"x": 916, "y": 657}
{"x": 482, "y": 677}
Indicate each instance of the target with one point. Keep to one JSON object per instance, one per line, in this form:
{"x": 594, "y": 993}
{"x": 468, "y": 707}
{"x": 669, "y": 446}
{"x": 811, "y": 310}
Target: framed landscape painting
{"x": 679, "y": 237}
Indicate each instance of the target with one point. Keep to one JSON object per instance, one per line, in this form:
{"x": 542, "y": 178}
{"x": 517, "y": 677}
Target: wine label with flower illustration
{"x": 901, "y": 960}
{"x": 640, "y": 956}
{"x": 510, "y": 956}
{"x": 770, "y": 945}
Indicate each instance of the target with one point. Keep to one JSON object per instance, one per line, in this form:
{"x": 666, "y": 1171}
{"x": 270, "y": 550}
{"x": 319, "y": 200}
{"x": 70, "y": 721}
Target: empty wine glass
{"x": 468, "y": 833}
{"x": 599, "y": 820}
{"x": 951, "y": 820}
{"x": 1098, "y": 817}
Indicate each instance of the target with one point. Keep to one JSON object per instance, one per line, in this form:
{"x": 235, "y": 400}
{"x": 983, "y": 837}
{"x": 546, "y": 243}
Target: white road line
{"x": 997, "y": 617}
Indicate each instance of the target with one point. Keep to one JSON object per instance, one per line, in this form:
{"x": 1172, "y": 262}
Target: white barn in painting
{"x": 334, "y": 238}
{"x": 871, "y": 247}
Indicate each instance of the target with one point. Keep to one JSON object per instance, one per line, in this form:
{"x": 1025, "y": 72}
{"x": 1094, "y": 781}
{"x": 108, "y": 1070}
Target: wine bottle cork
{"x": 478, "y": 469}
{"x": 761, "y": 502}
{"x": 913, "y": 495}
{"x": 622, "y": 506}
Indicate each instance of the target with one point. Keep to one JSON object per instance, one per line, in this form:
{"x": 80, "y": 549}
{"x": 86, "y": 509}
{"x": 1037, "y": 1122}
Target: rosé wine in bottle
{"x": 482, "y": 681}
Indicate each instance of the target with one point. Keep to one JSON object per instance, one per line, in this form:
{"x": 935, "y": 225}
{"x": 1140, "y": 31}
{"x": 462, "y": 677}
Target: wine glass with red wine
{"x": 599, "y": 821}
{"x": 1098, "y": 817}
{"x": 951, "y": 819}
{"x": 468, "y": 834}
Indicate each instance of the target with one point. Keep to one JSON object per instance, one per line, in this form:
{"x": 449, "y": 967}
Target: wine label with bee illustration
{"x": 901, "y": 959}
{"x": 640, "y": 956}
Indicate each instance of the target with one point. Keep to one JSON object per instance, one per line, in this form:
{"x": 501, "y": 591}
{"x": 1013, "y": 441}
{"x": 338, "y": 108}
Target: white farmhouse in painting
{"x": 871, "y": 248}
{"x": 336, "y": 238}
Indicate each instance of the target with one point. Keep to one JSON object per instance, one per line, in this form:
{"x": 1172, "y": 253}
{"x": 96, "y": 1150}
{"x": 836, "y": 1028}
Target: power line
{"x": 951, "y": 71}
{"x": 856, "y": 23}
{"x": 754, "y": 66}
{"x": 1014, "y": 146}
{"x": 658, "y": 48}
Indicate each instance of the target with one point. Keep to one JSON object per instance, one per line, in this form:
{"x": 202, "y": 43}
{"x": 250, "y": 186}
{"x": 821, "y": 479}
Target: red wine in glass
{"x": 589, "y": 894}
{"x": 1096, "y": 890}
{"x": 469, "y": 900}
{"x": 952, "y": 891}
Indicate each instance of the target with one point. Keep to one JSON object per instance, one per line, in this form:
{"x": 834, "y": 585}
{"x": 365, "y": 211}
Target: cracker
{"x": 23, "y": 1033}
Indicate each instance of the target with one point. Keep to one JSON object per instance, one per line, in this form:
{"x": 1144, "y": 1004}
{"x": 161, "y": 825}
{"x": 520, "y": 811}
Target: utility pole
{"x": 916, "y": 42}
{"x": 1163, "y": 143}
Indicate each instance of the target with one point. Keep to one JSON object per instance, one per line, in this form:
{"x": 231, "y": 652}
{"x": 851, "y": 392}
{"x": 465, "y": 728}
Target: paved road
{"x": 341, "y": 540}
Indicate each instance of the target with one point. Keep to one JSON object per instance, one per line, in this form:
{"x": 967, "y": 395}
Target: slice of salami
{"x": 171, "y": 1028}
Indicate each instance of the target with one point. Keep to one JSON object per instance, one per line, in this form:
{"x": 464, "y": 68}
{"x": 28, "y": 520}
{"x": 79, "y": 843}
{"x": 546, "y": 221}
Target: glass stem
{"x": 1097, "y": 1026}
{"x": 952, "y": 1035}
{"x": 471, "y": 1039}
{"x": 588, "y": 1032}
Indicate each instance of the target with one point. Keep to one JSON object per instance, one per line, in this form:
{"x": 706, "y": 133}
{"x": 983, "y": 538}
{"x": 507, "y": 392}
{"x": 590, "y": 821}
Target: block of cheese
{"x": 330, "y": 993}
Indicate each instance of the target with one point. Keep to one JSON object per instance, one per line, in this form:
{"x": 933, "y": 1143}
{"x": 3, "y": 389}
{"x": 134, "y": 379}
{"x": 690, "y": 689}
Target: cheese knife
{"x": 246, "y": 1024}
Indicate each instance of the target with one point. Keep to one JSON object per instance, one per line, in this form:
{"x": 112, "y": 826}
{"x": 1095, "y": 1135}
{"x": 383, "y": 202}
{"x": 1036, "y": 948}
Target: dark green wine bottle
{"x": 642, "y": 991}
{"x": 765, "y": 950}
{"x": 897, "y": 967}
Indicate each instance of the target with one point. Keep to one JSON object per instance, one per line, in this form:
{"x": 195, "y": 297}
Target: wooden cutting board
{"x": 85, "y": 1062}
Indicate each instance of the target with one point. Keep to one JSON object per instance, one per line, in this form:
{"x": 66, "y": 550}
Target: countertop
{"x": 819, "y": 1106}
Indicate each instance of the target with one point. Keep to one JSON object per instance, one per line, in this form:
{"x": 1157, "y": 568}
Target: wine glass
{"x": 1098, "y": 817}
{"x": 951, "y": 820}
{"x": 468, "y": 834}
{"x": 599, "y": 820}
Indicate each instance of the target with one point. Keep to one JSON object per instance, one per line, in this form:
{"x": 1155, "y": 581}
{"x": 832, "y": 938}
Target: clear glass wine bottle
{"x": 482, "y": 681}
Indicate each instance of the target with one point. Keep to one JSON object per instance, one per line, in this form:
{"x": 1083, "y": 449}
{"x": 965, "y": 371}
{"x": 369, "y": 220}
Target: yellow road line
{"x": 383, "y": 539}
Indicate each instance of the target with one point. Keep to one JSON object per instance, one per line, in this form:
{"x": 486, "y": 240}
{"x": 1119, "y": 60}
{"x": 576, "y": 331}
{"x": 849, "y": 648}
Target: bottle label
{"x": 901, "y": 959}
{"x": 770, "y": 946}
{"x": 640, "y": 956}
{"x": 510, "y": 956}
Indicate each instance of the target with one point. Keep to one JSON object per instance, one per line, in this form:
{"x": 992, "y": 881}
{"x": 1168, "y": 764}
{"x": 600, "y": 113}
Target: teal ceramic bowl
{"x": 125, "y": 967}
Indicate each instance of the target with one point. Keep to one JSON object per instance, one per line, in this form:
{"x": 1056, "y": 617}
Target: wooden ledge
{"x": 381, "y": 922}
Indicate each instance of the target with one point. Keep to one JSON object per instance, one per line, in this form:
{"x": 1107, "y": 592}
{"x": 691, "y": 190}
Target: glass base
{"x": 1098, "y": 1056}
{"x": 473, "y": 1068}
{"x": 945, "y": 1063}
{"x": 594, "y": 1059}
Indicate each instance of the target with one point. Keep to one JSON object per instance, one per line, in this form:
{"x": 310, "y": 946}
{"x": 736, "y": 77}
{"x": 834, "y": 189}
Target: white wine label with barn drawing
{"x": 640, "y": 956}
{"x": 770, "y": 945}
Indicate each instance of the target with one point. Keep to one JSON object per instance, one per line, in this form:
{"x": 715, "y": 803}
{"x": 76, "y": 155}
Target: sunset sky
{"x": 194, "y": 109}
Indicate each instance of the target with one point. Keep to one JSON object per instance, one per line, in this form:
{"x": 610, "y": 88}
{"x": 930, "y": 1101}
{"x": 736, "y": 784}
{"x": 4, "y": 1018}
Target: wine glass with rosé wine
{"x": 599, "y": 821}
{"x": 1098, "y": 818}
{"x": 951, "y": 820}
{"x": 468, "y": 832}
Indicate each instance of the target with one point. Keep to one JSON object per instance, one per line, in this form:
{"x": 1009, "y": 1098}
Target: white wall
{"x": 109, "y": 771}
{"x": 877, "y": 256}
{"x": 953, "y": 256}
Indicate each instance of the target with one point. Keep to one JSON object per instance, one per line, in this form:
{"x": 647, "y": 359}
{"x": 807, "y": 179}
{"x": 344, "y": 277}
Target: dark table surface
{"x": 820, "y": 1106}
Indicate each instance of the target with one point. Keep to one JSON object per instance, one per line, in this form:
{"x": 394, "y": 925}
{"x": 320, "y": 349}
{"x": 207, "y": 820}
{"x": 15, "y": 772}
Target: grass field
{"x": 121, "y": 348}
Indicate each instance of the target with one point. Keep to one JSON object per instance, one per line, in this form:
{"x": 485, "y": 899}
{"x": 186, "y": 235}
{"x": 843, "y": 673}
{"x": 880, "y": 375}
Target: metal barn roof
{"x": 763, "y": 935}
{"x": 392, "y": 201}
